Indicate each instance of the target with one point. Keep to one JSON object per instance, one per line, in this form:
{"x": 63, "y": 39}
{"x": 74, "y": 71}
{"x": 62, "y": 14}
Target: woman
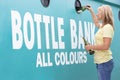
{"x": 103, "y": 38}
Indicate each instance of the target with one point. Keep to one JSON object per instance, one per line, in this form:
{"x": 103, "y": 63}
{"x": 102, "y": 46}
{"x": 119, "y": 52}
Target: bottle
{"x": 81, "y": 9}
{"x": 86, "y": 43}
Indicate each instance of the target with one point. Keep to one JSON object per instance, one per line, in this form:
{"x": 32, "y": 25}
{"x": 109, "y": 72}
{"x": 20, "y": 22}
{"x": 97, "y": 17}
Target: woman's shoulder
{"x": 108, "y": 26}
{"x": 108, "y": 31}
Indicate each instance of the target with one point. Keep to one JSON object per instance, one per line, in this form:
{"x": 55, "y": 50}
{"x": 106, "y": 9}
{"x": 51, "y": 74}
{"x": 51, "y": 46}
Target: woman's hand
{"x": 88, "y": 7}
{"x": 88, "y": 47}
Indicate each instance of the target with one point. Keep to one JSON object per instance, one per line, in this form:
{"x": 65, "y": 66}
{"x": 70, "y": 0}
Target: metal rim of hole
{"x": 77, "y": 5}
{"x": 45, "y": 3}
{"x": 119, "y": 15}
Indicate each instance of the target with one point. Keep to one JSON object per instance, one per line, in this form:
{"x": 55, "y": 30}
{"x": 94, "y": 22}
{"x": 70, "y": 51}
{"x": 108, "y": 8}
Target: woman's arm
{"x": 94, "y": 17}
{"x": 104, "y": 46}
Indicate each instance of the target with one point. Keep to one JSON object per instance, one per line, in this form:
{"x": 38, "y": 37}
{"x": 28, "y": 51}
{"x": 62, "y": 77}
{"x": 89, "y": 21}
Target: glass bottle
{"x": 91, "y": 52}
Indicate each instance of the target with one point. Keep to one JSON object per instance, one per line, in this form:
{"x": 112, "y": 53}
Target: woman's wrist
{"x": 91, "y": 11}
{"x": 92, "y": 47}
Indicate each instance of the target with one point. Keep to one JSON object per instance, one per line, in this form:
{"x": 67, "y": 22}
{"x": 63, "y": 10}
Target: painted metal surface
{"x": 44, "y": 43}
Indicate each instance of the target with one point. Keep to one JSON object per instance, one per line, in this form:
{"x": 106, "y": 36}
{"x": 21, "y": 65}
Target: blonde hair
{"x": 108, "y": 15}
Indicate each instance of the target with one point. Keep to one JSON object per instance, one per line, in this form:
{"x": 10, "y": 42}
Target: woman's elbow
{"x": 106, "y": 47}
